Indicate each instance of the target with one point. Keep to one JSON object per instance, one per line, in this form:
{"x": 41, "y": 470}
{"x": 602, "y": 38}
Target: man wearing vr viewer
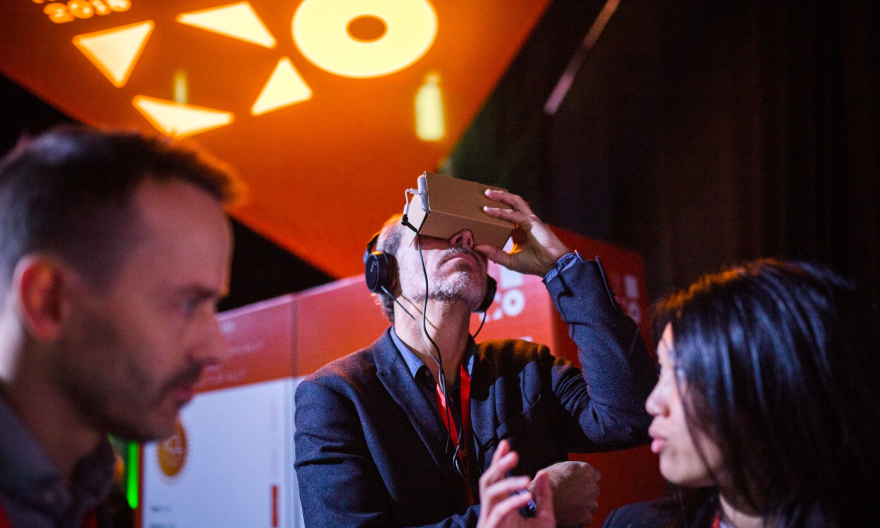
{"x": 381, "y": 439}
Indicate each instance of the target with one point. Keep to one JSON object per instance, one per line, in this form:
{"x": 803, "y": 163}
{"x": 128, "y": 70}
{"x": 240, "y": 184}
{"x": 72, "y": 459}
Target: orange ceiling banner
{"x": 328, "y": 109}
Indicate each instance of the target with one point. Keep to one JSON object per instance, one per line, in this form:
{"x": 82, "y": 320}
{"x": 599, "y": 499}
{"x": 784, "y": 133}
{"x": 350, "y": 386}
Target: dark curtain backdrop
{"x": 699, "y": 134}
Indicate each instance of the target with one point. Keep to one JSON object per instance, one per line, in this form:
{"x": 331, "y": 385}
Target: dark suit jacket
{"x": 371, "y": 451}
{"x": 684, "y": 508}
{"x": 661, "y": 513}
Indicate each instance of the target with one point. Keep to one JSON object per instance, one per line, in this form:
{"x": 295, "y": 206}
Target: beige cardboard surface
{"x": 455, "y": 205}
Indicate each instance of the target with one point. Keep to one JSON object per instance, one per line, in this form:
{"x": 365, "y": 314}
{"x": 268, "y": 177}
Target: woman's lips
{"x": 659, "y": 442}
{"x": 658, "y": 445}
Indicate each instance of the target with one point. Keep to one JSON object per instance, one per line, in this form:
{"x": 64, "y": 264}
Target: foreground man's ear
{"x": 38, "y": 285}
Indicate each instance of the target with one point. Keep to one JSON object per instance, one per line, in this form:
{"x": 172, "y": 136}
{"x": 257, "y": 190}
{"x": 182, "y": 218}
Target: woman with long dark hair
{"x": 767, "y": 408}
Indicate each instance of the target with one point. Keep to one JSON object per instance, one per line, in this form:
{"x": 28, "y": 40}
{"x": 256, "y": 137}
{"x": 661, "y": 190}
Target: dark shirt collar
{"x": 415, "y": 364}
{"x": 30, "y": 479}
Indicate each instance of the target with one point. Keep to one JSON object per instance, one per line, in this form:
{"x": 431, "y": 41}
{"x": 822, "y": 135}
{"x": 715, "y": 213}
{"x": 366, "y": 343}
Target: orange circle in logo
{"x": 172, "y": 451}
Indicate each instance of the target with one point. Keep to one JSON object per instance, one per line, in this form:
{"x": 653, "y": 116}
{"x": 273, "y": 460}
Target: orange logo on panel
{"x": 172, "y": 452}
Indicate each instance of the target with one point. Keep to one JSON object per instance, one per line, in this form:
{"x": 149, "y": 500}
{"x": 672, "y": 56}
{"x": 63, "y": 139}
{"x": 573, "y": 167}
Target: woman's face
{"x": 680, "y": 462}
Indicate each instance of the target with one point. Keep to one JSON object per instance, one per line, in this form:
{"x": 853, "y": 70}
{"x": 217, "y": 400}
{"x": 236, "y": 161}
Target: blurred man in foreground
{"x": 114, "y": 251}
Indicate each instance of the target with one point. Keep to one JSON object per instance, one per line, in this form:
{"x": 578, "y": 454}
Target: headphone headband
{"x": 371, "y": 246}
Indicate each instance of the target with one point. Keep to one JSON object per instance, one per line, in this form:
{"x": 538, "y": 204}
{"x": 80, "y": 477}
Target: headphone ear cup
{"x": 491, "y": 288}
{"x": 379, "y": 271}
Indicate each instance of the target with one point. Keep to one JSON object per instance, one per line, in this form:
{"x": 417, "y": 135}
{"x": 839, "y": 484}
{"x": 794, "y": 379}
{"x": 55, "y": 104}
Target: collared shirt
{"x": 425, "y": 380}
{"x": 31, "y": 490}
{"x": 428, "y": 387}
{"x": 415, "y": 364}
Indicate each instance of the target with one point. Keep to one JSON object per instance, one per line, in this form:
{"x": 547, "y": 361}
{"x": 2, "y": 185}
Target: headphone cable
{"x": 482, "y": 322}
{"x": 439, "y": 358}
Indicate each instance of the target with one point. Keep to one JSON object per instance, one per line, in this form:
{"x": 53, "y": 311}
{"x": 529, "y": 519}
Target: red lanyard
{"x": 716, "y": 522}
{"x": 89, "y": 521}
{"x": 446, "y": 416}
{"x": 445, "y": 413}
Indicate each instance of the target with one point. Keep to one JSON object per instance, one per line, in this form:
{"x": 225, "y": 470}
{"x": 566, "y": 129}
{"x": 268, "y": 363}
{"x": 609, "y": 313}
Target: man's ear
{"x": 38, "y": 284}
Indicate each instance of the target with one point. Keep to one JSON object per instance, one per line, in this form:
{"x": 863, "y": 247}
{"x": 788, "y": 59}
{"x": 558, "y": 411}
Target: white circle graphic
{"x": 321, "y": 32}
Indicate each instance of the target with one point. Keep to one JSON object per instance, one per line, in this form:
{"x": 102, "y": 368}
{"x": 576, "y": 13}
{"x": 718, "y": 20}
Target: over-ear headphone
{"x": 489, "y": 297}
{"x": 380, "y": 270}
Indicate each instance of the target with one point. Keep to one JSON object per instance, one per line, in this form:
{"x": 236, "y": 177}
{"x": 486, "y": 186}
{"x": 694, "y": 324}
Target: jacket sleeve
{"x": 606, "y": 397}
{"x": 340, "y": 485}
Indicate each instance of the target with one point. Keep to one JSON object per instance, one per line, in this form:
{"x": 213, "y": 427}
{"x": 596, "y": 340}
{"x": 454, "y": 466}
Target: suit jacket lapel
{"x": 398, "y": 381}
{"x": 483, "y": 418}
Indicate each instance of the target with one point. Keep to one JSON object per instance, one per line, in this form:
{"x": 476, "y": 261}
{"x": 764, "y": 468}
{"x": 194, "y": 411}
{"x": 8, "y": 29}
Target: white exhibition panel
{"x": 239, "y": 445}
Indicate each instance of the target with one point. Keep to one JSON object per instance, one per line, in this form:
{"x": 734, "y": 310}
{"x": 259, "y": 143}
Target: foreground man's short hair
{"x": 68, "y": 192}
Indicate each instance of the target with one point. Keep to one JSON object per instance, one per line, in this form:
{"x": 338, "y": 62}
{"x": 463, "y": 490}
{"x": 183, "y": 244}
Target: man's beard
{"x": 463, "y": 284}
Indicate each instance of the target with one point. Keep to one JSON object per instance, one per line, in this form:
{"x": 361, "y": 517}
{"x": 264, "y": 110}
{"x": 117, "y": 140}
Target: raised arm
{"x": 607, "y": 397}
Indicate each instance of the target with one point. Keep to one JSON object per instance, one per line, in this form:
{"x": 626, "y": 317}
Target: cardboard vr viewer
{"x": 447, "y": 205}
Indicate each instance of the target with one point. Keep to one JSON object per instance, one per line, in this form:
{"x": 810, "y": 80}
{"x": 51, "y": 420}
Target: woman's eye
{"x": 188, "y": 305}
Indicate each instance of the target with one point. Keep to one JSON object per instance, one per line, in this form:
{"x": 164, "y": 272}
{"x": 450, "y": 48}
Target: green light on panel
{"x": 131, "y": 488}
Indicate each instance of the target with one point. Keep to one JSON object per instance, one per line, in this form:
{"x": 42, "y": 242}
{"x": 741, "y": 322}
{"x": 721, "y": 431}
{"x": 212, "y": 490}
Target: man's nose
{"x": 211, "y": 347}
{"x": 463, "y": 238}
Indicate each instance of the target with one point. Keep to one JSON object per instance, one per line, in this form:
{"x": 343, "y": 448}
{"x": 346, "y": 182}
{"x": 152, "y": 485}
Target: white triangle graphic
{"x": 178, "y": 119}
{"x": 238, "y": 21}
{"x": 115, "y": 51}
{"x": 284, "y": 87}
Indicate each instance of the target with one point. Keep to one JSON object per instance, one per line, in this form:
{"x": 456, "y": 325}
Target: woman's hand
{"x": 501, "y": 498}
